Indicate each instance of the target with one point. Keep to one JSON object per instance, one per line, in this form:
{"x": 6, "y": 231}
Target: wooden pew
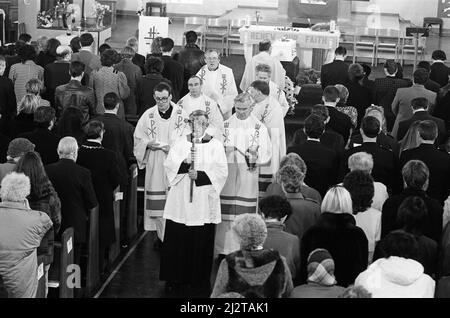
{"x": 63, "y": 257}
{"x": 41, "y": 278}
{"x": 3, "y": 291}
{"x": 114, "y": 250}
{"x": 131, "y": 203}
{"x": 93, "y": 274}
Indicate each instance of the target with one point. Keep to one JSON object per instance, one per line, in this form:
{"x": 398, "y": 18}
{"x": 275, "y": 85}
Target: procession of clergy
{"x": 206, "y": 165}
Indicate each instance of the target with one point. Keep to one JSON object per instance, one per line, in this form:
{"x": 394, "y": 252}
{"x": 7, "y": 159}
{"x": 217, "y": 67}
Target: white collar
{"x": 313, "y": 139}
{"x": 218, "y": 68}
{"x": 192, "y": 97}
{"x": 419, "y": 110}
{"x": 339, "y": 58}
{"x": 88, "y": 49}
{"x": 331, "y": 104}
{"x": 438, "y": 61}
{"x": 94, "y": 140}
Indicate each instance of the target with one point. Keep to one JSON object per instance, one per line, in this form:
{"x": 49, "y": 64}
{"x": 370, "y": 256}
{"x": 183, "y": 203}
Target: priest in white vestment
{"x": 218, "y": 82}
{"x": 157, "y": 129}
{"x": 278, "y": 73}
{"x": 196, "y": 100}
{"x": 263, "y": 73}
{"x": 269, "y": 112}
{"x": 197, "y": 170}
{"x": 248, "y": 146}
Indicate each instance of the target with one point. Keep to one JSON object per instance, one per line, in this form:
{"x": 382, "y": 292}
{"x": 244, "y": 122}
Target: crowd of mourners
{"x": 358, "y": 204}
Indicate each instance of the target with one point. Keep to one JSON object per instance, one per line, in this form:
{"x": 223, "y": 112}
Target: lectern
{"x": 417, "y": 33}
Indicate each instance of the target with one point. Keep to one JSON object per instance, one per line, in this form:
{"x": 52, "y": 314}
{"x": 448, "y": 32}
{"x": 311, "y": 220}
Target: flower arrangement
{"x": 100, "y": 10}
{"x": 45, "y": 18}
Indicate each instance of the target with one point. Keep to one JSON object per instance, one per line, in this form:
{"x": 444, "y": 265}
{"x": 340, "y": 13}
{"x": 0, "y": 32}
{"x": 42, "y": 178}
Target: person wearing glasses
{"x": 155, "y": 131}
{"x": 219, "y": 83}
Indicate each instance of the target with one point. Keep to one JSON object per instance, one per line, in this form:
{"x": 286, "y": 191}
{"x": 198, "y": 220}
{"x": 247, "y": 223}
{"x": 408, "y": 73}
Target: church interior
{"x": 304, "y": 35}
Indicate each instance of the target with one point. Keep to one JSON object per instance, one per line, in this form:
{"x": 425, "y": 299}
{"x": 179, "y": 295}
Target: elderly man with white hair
{"x": 21, "y": 232}
{"x": 363, "y": 161}
{"x": 73, "y": 184}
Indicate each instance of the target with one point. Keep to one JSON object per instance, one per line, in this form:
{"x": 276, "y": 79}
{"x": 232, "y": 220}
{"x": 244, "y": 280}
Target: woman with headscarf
{"x": 321, "y": 282}
{"x": 253, "y": 271}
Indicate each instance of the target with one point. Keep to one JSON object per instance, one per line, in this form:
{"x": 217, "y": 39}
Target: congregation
{"x": 356, "y": 203}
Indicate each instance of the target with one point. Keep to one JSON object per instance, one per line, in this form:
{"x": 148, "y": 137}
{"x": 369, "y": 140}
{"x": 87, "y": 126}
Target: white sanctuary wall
{"x": 414, "y": 10}
{"x": 199, "y": 7}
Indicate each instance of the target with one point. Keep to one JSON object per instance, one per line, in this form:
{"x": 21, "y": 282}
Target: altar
{"x": 100, "y": 35}
{"x": 306, "y": 40}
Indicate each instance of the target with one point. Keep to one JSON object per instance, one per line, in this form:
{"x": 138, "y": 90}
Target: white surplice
{"x": 270, "y": 113}
{"x": 220, "y": 85}
{"x": 205, "y": 206}
{"x": 240, "y": 194}
{"x": 279, "y": 94}
{"x": 190, "y": 104}
{"x": 278, "y": 73}
{"x": 151, "y": 127}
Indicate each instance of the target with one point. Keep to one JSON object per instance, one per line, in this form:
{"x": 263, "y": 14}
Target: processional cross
{"x": 152, "y": 35}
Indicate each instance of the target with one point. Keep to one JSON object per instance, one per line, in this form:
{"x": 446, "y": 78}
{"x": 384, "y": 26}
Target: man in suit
{"x": 87, "y": 57}
{"x": 8, "y": 106}
{"x": 430, "y": 84}
{"x": 330, "y": 138}
{"x": 45, "y": 141}
{"x": 73, "y": 184}
{"x": 401, "y": 106}
{"x": 192, "y": 59}
{"x": 439, "y": 71}
{"x": 420, "y": 110}
{"x": 138, "y": 59}
{"x": 415, "y": 179}
{"x": 335, "y": 72}
{"x": 118, "y": 137}
{"x": 322, "y": 162}
{"x": 384, "y": 140}
{"x": 144, "y": 89}
{"x": 103, "y": 166}
{"x": 384, "y": 91}
{"x": 438, "y": 162}
{"x": 57, "y": 73}
{"x": 385, "y": 162}
{"x": 75, "y": 94}
{"x": 339, "y": 122}
{"x": 173, "y": 70}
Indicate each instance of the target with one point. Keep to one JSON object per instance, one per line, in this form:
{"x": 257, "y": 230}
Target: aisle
{"x": 137, "y": 275}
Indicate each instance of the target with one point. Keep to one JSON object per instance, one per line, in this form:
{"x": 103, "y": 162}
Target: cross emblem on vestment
{"x": 152, "y": 34}
{"x": 178, "y": 124}
{"x": 152, "y": 129}
{"x": 254, "y": 139}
